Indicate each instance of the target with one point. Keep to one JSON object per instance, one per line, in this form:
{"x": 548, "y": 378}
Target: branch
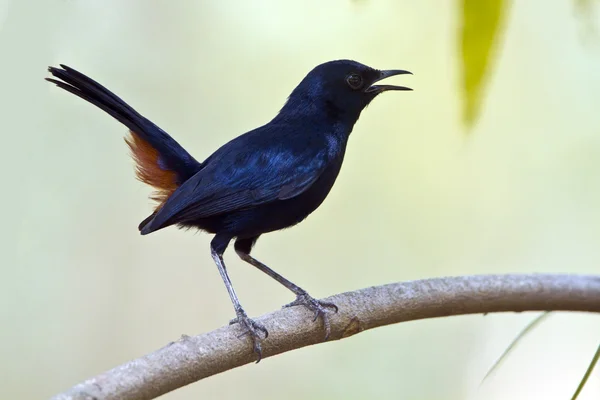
{"x": 193, "y": 358}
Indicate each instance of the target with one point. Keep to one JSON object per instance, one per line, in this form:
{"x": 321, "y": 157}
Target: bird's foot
{"x": 252, "y": 329}
{"x": 319, "y": 307}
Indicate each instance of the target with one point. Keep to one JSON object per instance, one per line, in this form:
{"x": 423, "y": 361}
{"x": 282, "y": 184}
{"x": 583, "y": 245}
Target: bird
{"x": 265, "y": 180}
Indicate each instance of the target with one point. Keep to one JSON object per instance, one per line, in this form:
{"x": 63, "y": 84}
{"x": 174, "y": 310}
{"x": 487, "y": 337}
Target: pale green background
{"x": 82, "y": 291}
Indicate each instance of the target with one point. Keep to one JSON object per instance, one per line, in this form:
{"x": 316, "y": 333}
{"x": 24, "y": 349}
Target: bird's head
{"x": 341, "y": 88}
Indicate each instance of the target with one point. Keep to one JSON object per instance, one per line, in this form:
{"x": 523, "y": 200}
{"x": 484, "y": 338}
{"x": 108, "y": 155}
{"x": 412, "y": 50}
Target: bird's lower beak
{"x": 387, "y": 74}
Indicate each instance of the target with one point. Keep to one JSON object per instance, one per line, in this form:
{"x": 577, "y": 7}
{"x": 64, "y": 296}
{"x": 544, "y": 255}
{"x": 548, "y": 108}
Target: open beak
{"x": 387, "y": 74}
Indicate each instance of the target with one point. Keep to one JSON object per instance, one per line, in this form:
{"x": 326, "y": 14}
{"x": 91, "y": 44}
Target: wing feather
{"x": 229, "y": 185}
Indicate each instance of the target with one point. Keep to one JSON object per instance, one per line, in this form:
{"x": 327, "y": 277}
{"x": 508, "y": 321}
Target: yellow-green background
{"x": 503, "y": 177}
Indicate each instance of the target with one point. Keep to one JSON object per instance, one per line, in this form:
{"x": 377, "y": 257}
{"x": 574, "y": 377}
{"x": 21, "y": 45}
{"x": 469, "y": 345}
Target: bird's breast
{"x": 336, "y": 143}
{"x": 301, "y": 206}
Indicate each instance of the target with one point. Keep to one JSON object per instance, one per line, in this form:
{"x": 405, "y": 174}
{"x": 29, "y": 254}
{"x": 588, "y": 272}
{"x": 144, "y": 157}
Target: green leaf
{"x": 481, "y": 20}
{"x": 587, "y": 374}
{"x": 520, "y": 336}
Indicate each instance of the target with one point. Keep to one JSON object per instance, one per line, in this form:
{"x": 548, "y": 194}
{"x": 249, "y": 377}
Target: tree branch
{"x": 193, "y": 358}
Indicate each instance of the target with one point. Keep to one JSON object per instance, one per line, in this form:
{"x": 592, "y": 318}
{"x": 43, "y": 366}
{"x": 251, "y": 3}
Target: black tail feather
{"x": 168, "y": 159}
{"x": 174, "y": 157}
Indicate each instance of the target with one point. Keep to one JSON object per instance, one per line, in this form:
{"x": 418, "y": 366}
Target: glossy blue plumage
{"x": 274, "y": 176}
{"x": 267, "y": 179}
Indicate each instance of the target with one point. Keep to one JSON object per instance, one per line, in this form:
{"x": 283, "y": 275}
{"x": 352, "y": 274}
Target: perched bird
{"x": 265, "y": 180}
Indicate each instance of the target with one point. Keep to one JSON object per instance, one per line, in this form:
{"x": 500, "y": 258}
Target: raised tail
{"x": 161, "y": 162}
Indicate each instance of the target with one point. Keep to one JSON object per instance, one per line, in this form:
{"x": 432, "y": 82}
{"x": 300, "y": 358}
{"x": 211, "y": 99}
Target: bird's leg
{"x": 319, "y": 307}
{"x": 250, "y": 327}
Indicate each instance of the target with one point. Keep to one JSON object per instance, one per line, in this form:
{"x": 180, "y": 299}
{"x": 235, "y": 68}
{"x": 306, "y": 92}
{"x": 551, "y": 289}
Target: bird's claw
{"x": 252, "y": 329}
{"x": 319, "y": 307}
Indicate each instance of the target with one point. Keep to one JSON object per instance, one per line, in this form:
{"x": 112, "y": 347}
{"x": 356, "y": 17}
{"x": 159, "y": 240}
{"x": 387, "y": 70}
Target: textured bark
{"x": 193, "y": 358}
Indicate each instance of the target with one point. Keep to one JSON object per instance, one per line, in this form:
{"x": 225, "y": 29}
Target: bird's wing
{"x": 240, "y": 180}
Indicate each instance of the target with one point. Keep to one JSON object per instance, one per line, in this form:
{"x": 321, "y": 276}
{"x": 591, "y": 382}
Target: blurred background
{"x": 490, "y": 166}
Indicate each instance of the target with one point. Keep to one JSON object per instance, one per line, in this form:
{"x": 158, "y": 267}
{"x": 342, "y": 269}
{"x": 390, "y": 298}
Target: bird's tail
{"x": 160, "y": 161}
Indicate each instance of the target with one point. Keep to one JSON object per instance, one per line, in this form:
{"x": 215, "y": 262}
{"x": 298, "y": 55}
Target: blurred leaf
{"x": 520, "y": 336}
{"x": 584, "y": 7}
{"x": 585, "y": 11}
{"x": 587, "y": 374}
{"x": 480, "y": 28}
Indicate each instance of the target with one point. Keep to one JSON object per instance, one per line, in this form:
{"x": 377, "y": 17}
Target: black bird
{"x": 265, "y": 180}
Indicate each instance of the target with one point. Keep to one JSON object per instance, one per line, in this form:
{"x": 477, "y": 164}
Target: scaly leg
{"x": 320, "y": 308}
{"x": 250, "y": 327}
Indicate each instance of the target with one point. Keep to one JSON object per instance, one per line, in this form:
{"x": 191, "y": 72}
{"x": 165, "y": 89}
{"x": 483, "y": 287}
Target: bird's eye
{"x": 355, "y": 81}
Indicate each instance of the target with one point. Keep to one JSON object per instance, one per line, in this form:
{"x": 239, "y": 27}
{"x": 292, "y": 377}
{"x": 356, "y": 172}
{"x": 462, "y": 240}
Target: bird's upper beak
{"x": 387, "y": 74}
